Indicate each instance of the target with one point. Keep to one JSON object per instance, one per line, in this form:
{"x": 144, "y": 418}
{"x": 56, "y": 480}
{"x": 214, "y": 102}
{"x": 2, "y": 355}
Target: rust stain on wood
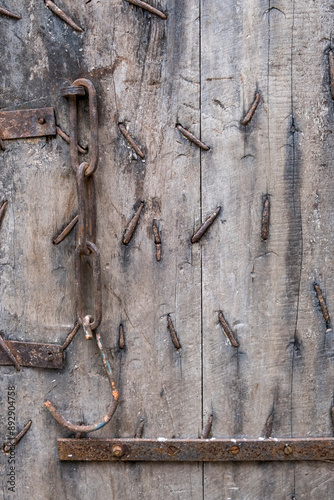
{"x": 56, "y": 10}
{"x": 132, "y": 225}
{"x": 173, "y": 333}
{"x": 227, "y": 330}
{"x": 204, "y": 227}
{"x": 192, "y": 138}
{"x": 149, "y": 8}
{"x": 131, "y": 140}
{"x": 121, "y": 337}
{"x": 252, "y": 110}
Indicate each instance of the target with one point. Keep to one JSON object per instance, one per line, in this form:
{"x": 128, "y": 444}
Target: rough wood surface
{"x": 202, "y": 68}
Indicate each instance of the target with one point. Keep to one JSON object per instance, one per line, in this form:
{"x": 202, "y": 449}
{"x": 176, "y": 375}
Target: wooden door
{"x": 201, "y": 68}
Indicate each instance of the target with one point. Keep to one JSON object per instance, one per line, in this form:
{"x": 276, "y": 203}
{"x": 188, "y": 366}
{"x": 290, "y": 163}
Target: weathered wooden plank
{"x": 250, "y": 279}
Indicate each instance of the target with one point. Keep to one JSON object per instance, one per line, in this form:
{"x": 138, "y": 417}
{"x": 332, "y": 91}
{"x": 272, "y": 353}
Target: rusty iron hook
{"x": 112, "y": 407}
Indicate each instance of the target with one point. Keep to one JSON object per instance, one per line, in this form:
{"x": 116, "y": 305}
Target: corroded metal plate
{"x": 27, "y": 123}
{"x": 34, "y": 355}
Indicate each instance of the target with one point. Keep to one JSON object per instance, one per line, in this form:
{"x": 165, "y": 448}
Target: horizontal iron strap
{"x": 195, "y": 450}
{"x": 27, "y": 123}
{"x": 34, "y": 355}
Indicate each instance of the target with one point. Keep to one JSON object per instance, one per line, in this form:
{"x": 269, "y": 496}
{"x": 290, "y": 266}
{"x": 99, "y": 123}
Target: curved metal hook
{"x": 112, "y": 407}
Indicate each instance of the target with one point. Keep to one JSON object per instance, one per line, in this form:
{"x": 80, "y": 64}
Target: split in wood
{"x": 204, "y": 227}
{"x": 252, "y": 110}
{"x": 322, "y": 304}
{"x": 13, "y": 442}
{"x": 66, "y": 231}
{"x": 139, "y": 432}
{"x": 207, "y": 430}
{"x": 3, "y": 210}
{"x": 265, "y": 219}
{"x": 188, "y": 135}
{"x": 331, "y": 72}
{"x": 8, "y": 13}
{"x": 2, "y": 145}
{"x": 227, "y": 330}
{"x": 9, "y": 353}
{"x": 173, "y": 333}
{"x": 121, "y": 337}
{"x": 149, "y": 8}
{"x": 157, "y": 241}
{"x": 132, "y": 225}
{"x": 56, "y": 10}
{"x": 269, "y": 426}
{"x": 66, "y": 138}
{"x": 71, "y": 335}
{"x": 131, "y": 140}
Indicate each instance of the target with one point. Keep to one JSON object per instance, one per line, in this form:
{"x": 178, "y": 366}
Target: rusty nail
{"x": 7, "y": 13}
{"x": 269, "y": 426}
{"x": 13, "y": 442}
{"x": 117, "y": 451}
{"x": 121, "y": 337}
{"x": 322, "y": 304}
{"x": 41, "y": 120}
{"x": 157, "y": 241}
{"x": 71, "y": 335}
{"x": 205, "y": 226}
{"x": 131, "y": 140}
{"x": 235, "y": 450}
{"x": 188, "y": 135}
{"x": 173, "y": 333}
{"x": 331, "y": 72}
{"x": 66, "y": 138}
{"x": 288, "y": 450}
{"x": 140, "y": 429}
{"x": 265, "y": 219}
{"x": 149, "y": 8}
{"x": 2, "y": 145}
{"x": 207, "y": 430}
{"x": 66, "y": 231}
{"x": 252, "y": 110}
{"x": 3, "y": 209}
{"x": 227, "y": 330}
{"x": 132, "y": 225}
{"x": 56, "y": 10}
{"x": 9, "y": 353}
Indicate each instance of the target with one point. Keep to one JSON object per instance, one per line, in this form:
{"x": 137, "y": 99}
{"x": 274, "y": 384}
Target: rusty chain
{"x": 86, "y": 241}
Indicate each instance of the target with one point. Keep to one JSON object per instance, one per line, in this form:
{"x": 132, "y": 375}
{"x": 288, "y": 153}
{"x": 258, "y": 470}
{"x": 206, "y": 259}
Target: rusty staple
{"x": 71, "y": 335}
{"x": 13, "y": 442}
{"x": 112, "y": 407}
{"x": 149, "y": 8}
{"x": 227, "y": 330}
{"x": 131, "y": 140}
{"x": 207, "y": 430}
{"x": 56, "y": 10}
{"x": 9, "y": 353}
{"x": 252, "y": 110}
{"x": 66, "y": 231}
{"x": 132, "y": 225}
{"x": 173, "y": 333}
{"x": 192, "y": 138}
{"x": 66, "y": 138}
{"x": 204, "y": 227}
{"x": 8, "y": 13}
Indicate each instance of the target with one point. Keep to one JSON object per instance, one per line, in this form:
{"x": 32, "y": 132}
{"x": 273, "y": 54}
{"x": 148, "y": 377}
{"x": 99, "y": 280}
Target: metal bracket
{"x": 196, "y": 450}
{"x": 33, "y": 355}
{"x": 27, "y": 123}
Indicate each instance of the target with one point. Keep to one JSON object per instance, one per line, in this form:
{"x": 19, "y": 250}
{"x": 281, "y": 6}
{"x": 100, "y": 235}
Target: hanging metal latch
{"x": 86, "y": 244}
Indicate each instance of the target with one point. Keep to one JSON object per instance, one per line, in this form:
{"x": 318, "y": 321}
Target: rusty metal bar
{"x": 33, "y": 355}
{"x": 196, "y": 450}
{"x": 27, "y": 123}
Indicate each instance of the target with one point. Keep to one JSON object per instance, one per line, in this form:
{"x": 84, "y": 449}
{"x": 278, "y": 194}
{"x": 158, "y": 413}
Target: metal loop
{"x": 79, "y": 282}
{"x": 112, "y": 407}
{"x": 82, "y": 222}
{"x": 94, "y": 147}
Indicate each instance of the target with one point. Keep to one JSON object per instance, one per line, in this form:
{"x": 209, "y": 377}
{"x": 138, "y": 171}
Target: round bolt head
{"x": 41, "y": 120}
{"x": 288, "y": 450}
{"x": 117, "y": 450}
{"x": 235, "y": 450}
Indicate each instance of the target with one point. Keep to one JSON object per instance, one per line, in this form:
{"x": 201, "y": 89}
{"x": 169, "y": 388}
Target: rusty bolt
{"x": 288, "y": 450}
{"x": 117, "y": 450}
{"x": 50, "y": 356}
{"x": 172, "y": 450}
{"x": 235, "y": 450}
{"x": 41, "y": 120}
